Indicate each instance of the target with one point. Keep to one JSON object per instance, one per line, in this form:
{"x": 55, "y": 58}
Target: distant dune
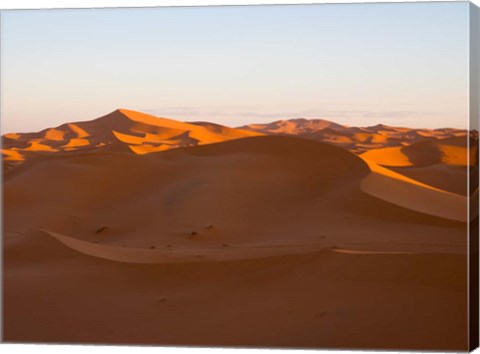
{"x": 121, "y": 130}
{"x": 137, "y": 229}
{"x": 355, "y": 139}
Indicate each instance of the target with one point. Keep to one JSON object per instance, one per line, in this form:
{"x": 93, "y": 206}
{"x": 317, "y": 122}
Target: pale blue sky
{"x": 357, "y": 64}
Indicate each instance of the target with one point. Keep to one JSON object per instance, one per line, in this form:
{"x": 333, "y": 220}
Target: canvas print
{"x": 284, "y": 176}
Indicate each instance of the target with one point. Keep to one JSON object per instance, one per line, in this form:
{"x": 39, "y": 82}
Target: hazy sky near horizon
{"x": 357, "y": 64}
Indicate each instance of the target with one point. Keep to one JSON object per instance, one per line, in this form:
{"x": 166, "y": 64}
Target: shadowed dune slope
{"x": 235, "y": 185}
{"x": 451, "y": 178}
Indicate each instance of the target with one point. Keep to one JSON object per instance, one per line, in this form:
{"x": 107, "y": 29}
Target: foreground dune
{"x": 54, "y": 294}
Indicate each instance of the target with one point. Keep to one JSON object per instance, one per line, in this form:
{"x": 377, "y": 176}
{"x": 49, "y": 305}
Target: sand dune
{"x": 390, "y": 156}
{"x": 200, "y": 234}
{"x": 209, "y": 184}
{"x": 121, "y": 130}
{"x": 355, "y": 139}
{"x": 406, "y": 182}
{"x": 451, "y": 151}
{"x": 426, "y": 153}
{"x": 284, "y": 301}
{"x": 171, "y": 198}
{"x": 441, "y": 163}
{"x": 12, "y": 155}
{"x": 409, "y": 193}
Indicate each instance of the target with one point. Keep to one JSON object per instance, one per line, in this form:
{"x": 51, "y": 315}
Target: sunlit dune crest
{"x": 401, "y": 190}
{"x": 384, "y": 171}
{"x": 12, "y": 155}
{"x": 152, "y": 120}
{"x": 54, "y": 134}
{"x": 79, "y": 131}
{"x": 76, "y": 142}
{"x": 37, "y": 145}
{"x": 13, "y": 136}
{"x": 148, "y": 148}
{"x": 129, "y": 139}
{"x": 389, "y": 156}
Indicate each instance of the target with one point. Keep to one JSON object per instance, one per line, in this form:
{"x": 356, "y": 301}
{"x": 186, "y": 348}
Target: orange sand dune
{"x": 79, "y": 131}
{"x": 54, "y": 134}
{"x": 148, "y": 149}
{"x": 390, "y": 156}
{"x": 401, "y": 190}
{"x": 283, "y": 247}
{"x": 13, "y": 136}
{"x": 452, "y": 151}
{"x": 173, "y": 233}
{"x": 76, "y": 142}
{"x": 37, "y": 145}
{"x": 12, "y": 155}
{"x": 316, "y": 184}
{"x": 125, "y": 130}
{"x": 355, "y": 139}
{"x": 122, "y": 130}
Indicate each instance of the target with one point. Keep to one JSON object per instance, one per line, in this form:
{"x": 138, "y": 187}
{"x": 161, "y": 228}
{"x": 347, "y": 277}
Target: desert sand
{"x": 134, "y": 229}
